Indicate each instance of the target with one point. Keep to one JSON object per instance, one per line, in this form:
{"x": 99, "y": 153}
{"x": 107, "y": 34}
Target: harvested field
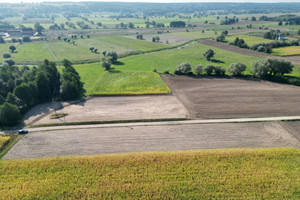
{"x": 210, "y": 98}
{"x": 120, "y": 108}
{"x": 151, "y": 138}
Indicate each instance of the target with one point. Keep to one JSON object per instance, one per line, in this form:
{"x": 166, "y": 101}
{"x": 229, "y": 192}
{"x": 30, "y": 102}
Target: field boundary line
{"x": 159, "y": 123}
{"x": 50, "y": 50}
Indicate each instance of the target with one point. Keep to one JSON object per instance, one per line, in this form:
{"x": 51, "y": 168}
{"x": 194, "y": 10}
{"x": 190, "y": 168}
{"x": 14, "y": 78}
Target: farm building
{"x": 281, "y": 37}
{"x": 17, "y": 32}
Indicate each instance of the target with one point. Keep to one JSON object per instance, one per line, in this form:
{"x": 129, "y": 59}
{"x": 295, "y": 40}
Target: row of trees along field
{"x": 22, "y": 88}
{"x": 266, "y": 69}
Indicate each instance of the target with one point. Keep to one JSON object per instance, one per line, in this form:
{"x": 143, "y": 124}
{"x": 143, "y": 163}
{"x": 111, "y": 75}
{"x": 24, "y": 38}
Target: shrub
{"x": 6, "y": 55}
{"x": 167, "y": 71}
{"x": 26, "y": 39}
{"x": 261, "y": 49}
{"x": 198, "y": 70}
{"x": 260, "y": 68}
{"x": 219, "y": 71}
{"x": 9, "y": 61}
{"x": 2, "y": 40}
{"x": 236, "y": 69}
{"x": 209, "y": 69}
{"x": 106, "y": 65}
{"x": 183, "y": 68}
{"x": 155, "y": 70}
{"x": 113, "y": 55}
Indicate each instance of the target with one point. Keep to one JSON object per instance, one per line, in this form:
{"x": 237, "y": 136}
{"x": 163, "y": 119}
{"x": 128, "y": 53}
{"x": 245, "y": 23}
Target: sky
{"x": 156, "y": 1}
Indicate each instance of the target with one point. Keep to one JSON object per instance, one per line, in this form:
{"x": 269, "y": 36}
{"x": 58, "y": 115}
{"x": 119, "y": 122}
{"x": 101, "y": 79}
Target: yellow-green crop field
{"x": 3, "y": 140}
{"x": 206, "y": 174}
{"x": 286, "y": 51}
{"x": 250, "y": 40}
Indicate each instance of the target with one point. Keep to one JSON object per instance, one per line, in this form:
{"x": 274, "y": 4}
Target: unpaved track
{"x": 151, "y": 138}
{"x": 294, "y": 59}
{"x": 219, "y": 98}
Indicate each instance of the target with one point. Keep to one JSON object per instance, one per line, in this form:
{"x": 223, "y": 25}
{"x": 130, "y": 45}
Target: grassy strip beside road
{"x": 7, "y": 142}
{"x": 233, "y": 173}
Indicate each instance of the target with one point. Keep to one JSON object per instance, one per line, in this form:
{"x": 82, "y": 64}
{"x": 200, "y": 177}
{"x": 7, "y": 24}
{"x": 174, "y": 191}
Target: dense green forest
{"x": 22, "y": 88}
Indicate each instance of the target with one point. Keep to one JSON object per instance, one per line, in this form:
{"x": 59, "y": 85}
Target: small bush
{"x": 9, "y": 61}
{"x": 236, "y": 69}
{"x": 6, "y": 55}
{"x": 209, "y": 69}
{"x": 26, "y": 39}
{"x": 198, "y": 70}
{"x": 167, "y": 71}
{"x": 219, "y": 71}
{"x": 155, "y": 70}
{"x": 183, "y": 68}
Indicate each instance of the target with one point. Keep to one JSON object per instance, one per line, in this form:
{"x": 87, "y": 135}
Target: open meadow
{"x": 233, "y": 173}
{"x": 57, "y": 50}
{"x": 250, "y": 40}
{"x": 287, "y": 51}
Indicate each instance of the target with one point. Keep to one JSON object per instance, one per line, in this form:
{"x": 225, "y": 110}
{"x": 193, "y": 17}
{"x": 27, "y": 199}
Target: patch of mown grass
{"x": 286, "y": 51}
{"x": 250, "y": 40}
{"x": 206, "y": 174}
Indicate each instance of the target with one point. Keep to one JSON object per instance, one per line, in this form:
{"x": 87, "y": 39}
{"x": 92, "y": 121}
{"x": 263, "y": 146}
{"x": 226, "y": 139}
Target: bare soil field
{"x": 294, "y": 59}
{"x": 151, "y": 138}
{"x": 119, "y": 108}
{"x": 211, "y": 98}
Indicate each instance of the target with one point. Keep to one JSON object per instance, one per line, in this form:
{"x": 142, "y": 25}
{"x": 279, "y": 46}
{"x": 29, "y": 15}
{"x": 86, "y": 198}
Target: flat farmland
{"x": 234, "y": 98}
{"x": 118, "y": 108}
{"x": 151, "y": 138}
{"x": 57, "y": 50}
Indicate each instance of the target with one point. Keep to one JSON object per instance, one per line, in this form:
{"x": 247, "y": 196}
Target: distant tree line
{"x": 179, "y": 24}
{"x": 22, "y": 88}
{"x": 288, "y": 19}
{"x": 229, "y": 21}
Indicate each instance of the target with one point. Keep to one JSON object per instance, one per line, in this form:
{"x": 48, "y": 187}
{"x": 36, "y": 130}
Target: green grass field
{"x": 286, "y": 51}
{"x": 250, "y": 40}
{"x": 134, "y": 74}
{"x": 206, "y": 174}
{"x": 170, "y": 59}
{"x": 100, "y": 82}
{"x": 55, "y": 50}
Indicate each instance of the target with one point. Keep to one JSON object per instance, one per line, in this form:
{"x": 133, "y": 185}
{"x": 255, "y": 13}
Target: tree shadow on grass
{"x": 118, "y": 63}
{"x": 216, "y": 61}
{"x": 114, "y": 71}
